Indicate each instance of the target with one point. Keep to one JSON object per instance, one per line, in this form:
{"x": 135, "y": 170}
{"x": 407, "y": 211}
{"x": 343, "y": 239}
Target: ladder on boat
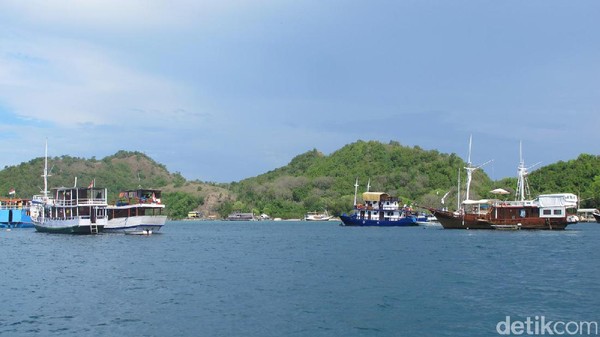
{"x": 93, "y": 228}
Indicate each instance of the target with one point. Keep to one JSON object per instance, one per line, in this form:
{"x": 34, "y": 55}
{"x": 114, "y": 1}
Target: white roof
{"x": 559, "y": 199}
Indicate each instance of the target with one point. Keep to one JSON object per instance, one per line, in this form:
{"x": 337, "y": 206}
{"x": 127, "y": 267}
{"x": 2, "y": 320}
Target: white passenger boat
{"x": 136, "y": 211}
{"x": 70, "y": 210}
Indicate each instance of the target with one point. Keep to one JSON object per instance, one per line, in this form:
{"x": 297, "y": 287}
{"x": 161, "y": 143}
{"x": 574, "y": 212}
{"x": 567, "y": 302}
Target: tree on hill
{"x": 580, "y": 176}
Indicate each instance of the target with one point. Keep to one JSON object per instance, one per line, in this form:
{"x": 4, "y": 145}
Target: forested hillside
{"x": 124, "y": 170}
{"x": 311, "y": 181}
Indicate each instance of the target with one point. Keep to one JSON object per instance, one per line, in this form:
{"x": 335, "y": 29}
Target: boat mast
{"x": 458, "y": 196}
{"x": 470, "y": 169}
{"x": 522, "y": 173}
{"x": 355, "y": 191}
{"x": 46, "y": 172}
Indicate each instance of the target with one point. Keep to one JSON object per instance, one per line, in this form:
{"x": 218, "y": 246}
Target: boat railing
{"x": 13, "y": 206}
{"x": 142, "y": 201}
{"x": 80, "y": 202}
{"x": 364, "y": 207}
{"x": 515, "y": 203}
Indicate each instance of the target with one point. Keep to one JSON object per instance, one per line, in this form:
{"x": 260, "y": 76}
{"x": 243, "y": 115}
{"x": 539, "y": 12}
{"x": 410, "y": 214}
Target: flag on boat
{"x": 92, "y": 183}
{"x": 153, "y": 197}
{"x": 11, "y": 192}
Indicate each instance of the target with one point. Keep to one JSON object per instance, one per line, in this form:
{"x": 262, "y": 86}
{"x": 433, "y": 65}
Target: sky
{"x": 222, "y": 90}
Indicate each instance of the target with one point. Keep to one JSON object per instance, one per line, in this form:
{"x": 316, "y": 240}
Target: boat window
{"x": 522, "y": 213}
{"x": 557, "y": 212}
{"x": 547, "y": 212}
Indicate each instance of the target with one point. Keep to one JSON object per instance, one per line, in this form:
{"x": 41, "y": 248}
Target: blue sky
{"x": 226, "y": 90}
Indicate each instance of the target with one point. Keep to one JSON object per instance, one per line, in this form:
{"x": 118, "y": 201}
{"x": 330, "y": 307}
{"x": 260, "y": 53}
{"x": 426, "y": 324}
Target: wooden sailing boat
{"x": 548, "y": 211}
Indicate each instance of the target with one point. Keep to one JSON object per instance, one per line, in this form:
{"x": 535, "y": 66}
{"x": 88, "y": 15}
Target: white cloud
{"x": 116, "y": 15}
{"x": 70, "y": 82}
{"x": 57, "y": 67}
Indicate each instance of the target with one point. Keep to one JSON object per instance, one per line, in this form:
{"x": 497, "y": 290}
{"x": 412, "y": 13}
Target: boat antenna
{"x": 369, "y": 185}
{"x": 522, "y": 173}
{"x": 470, "y": 169}
{"x": 355, "y": 190}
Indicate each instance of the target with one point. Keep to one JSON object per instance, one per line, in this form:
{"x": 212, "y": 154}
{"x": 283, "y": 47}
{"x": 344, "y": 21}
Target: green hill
{"x": 123, "y": 170}
{"x": 311, "y": 181}
{"x": 314, "y": 181}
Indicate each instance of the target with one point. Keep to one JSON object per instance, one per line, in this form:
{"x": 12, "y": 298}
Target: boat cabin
{"x": 556, "y": 205}
{"x": 379, "y": 206}
{"x": 70, "y": 196}
{"x": 586, "y": 214}
{"x": 544, "y": 206}
{"x": 478, "y": 207}
{"x": 74, "y": 202}
{"x": 379, "y": 200}
{"x": 139, "y": 196}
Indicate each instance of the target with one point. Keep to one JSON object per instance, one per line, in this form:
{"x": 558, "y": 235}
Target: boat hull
{"x": 469, "y": 221}
{"x": 72, "y": 226}
{"x": 67, "y": 230}
{"x": 597, "y": 217}
{"x": 449, "y": 220}
{"x": 144, "y": 223}
{"x": 327, "y": 218}
{"x": 355, "y": 221}
{"x": 15, "y": 218}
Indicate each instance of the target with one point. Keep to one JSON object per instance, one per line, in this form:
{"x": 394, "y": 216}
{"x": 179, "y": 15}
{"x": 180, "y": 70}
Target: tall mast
{"x": 46, "y": 171}
{"x": 522, "y": 172}
{"x": 355, "y": 190}
{"x": 458, "y": 196}
{"x": 470, "y": 169}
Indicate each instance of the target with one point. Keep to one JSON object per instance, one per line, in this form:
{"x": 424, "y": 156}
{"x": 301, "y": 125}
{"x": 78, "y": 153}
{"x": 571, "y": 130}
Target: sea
{"x": 260, "y": 279}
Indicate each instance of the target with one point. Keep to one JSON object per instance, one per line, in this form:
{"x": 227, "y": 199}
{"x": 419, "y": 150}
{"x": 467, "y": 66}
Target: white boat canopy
{"x": 499, "y": 191}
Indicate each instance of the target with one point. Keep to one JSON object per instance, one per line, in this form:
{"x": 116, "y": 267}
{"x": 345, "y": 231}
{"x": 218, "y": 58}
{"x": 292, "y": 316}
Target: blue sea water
{"x": 295, "y": 279}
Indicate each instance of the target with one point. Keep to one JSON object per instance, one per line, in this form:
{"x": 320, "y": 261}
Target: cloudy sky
{"x": 225, "y": 90}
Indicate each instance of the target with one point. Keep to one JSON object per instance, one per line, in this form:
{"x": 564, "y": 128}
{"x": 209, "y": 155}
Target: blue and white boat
{"x": 14, "y": 213}
{"x": 426, "y": 219}
{"x": 136, "y": 212}
{"x": 378, "y": 209}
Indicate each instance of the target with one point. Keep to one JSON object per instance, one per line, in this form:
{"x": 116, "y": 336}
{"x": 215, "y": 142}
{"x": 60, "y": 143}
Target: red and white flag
{"x": 91, "y": 184}
{"x": 11, "y": 192}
